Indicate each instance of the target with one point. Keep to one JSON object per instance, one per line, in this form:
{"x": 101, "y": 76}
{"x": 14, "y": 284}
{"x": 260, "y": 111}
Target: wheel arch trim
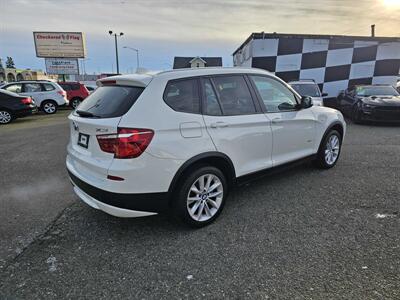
{"x": 328, "y": 129}
{"x": 198, "y": 159}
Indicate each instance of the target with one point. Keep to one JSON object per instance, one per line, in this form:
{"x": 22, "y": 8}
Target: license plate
{"x": 83, "y": 140}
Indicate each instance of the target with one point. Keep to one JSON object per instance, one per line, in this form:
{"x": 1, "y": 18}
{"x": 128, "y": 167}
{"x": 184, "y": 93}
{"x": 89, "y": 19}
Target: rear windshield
{"x": 9, "y": 93}
{"x": 311, "y": 90}
{"x": 109, "y": 101}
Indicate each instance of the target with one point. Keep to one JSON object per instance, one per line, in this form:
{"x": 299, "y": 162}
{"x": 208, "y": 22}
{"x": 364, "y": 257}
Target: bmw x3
{"x": 180, "y": 140}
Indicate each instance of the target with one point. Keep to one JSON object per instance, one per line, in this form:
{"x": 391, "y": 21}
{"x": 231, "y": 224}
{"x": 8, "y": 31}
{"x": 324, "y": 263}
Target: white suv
{"x": 48, "y": 95}
{"x": 180, "y": 140}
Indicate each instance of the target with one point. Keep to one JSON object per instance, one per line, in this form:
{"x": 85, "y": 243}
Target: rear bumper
{"x": 118, "y": 204}
{"x": 25, "y": 112}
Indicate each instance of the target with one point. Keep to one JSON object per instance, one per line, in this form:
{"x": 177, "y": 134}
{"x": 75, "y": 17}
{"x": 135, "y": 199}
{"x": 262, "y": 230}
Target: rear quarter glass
{"x": 110, "y": 101}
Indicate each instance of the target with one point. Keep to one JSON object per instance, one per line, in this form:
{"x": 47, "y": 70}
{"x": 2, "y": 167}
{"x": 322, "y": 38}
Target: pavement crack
{"x": 39, "y": 237}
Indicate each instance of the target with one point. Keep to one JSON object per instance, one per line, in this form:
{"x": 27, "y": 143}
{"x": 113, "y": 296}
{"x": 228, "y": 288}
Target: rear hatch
{"x": 98, "y": 115}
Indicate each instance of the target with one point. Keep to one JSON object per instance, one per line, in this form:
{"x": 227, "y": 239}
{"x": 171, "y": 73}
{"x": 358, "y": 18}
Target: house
{"x": 11, "y": 74}
{"x": 196, "y": 62}
{"x": 334, "y": 62}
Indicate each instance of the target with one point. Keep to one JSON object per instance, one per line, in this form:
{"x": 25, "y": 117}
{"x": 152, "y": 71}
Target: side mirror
{"x": 324, "y": 94}
{"x": 285, "y": 106}
{"x": 306, "y": 102}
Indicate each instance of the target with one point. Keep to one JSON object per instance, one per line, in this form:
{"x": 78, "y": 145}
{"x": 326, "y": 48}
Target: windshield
{"x": 311, "y": 90}
{"x": 376, "y": 91}
{"x": 109, "y": 101}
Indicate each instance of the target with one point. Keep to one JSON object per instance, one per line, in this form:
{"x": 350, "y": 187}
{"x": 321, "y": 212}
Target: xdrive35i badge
{"x": 101, "y": 130}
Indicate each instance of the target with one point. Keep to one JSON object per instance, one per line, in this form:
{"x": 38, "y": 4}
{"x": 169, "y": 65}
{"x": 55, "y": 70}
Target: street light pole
{"x": 137, "y": 56}
{"x": 116, "y": 46}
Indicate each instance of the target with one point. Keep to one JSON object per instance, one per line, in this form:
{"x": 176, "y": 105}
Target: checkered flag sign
{"x": 334, "y": 63}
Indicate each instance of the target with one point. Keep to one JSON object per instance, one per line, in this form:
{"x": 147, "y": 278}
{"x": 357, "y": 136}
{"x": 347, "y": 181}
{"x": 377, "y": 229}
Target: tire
{"x": 6, "y": 117}
{"x": 329, "y": 150}
{"x": 75, "y": 102}
{"x": 355, "y": 115}
{"x": 49, "y": 107}
{"x": 201, "y": 212}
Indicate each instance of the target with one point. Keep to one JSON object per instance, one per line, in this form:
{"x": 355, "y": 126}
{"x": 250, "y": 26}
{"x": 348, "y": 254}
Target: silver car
{"x": 309, "y": 88}
{"x": 48, "y": 95}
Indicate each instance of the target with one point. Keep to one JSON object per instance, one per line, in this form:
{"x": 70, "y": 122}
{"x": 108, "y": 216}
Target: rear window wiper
{"x": 87, "y": 114}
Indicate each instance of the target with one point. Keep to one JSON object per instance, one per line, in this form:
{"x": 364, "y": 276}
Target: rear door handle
{"x": 219, "y": 124}
{"x": 276, "y": 120}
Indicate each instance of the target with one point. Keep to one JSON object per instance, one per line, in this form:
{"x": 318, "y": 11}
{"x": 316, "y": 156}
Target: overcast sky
{"x": 162, "y": 29}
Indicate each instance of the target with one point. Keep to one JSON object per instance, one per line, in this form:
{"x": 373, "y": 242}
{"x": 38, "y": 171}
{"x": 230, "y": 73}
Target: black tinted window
{"x": 109, "y": 101}
{"x": 75, "y": 87}
{"x": 234, "y": 95}
{"x": 183, "y": 95}
{"x": 32, "y": 87}
{"x": 66, "y": 87}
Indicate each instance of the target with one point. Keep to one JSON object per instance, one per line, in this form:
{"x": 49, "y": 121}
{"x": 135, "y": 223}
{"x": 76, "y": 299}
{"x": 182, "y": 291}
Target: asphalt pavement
{"x": 301, "y": 234}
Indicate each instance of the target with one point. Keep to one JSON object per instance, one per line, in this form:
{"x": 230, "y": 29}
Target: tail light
{"x": 27, "y": 101}
{"x": 63, "y": 93}
{"x": 127, "y": 143}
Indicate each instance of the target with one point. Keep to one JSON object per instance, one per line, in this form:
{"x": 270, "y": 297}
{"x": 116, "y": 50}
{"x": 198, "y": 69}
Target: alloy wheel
{"x": 75, "y": 103}
{"x": 332, "y": 149}
{"x": 204, "y": 198}
{"x": 49, "y": 107}
{"x": 5, "y": 117}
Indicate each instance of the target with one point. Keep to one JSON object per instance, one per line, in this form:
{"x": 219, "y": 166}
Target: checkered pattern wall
{"x": 333, "y": 63}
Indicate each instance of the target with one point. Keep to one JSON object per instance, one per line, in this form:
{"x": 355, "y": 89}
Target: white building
{"x": 334, "y": 62}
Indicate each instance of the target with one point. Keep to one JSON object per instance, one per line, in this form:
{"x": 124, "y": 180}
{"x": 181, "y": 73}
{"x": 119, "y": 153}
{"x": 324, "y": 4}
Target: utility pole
{"x": 137, "y": 55}
{"x": 116, "y": 46}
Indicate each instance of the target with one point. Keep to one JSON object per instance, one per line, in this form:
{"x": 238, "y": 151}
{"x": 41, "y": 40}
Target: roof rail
{"x": 306, "y": 79}
{"x": 27, "y": 80}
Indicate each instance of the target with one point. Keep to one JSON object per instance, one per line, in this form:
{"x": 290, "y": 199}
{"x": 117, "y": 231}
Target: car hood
{"x": 382, "y": 100}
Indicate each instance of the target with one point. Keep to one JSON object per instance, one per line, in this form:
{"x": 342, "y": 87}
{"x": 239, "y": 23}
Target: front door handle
{"x": 219, "y": 124}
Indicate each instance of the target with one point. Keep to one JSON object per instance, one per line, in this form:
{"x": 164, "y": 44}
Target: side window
{"x": 211, "y": 104}
{"x": 32, "y": 87}
{"x": 48, "y": 87}
{"x": 275, "y": 96}
{"x": 15, "y": 88}
{"x": 183, "y": 95}
{"x": 75, "y": 87}
{"x": 234, "y": 95}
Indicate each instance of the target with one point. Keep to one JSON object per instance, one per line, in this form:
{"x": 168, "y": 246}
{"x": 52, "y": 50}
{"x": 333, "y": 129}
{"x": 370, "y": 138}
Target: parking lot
{"x": 301, "y": 234}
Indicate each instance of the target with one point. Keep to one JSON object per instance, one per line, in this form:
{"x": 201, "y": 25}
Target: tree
{"x": 10, "y": 63}
{"x": 1, "y": 64}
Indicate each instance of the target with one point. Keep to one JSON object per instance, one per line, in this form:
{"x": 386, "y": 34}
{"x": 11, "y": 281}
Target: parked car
{"x": 76, "y": 92}
{"x": 370, "y": 102}
{"x": 309, "y": 88}
{"x": 47, "y": 95}
{"x": 180, "y": 140}
{"x": 13, "y": 106}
